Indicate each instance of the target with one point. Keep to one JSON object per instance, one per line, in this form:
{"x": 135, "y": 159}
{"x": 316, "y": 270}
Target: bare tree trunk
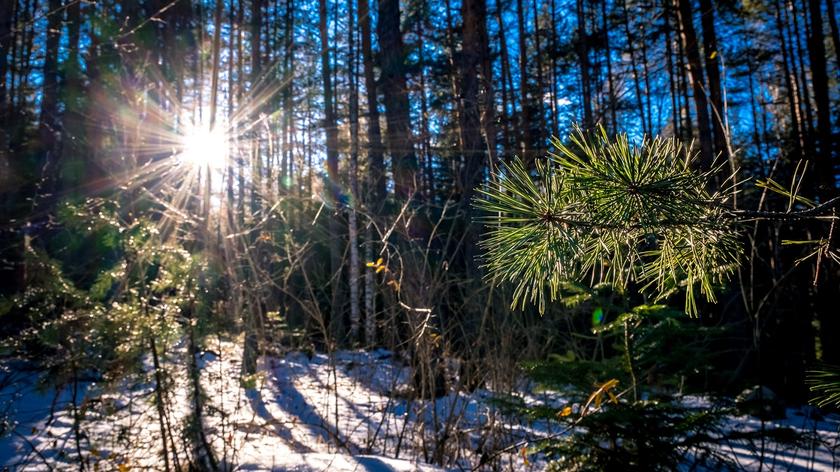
{"x": 507, "y": 82}
{"x": 695, "y": 69}
{"x": 477, "y": 116}
{"x": 395, "y": 91}
{"x": 539, "y": 111}
{"x": 633, "y": 67}
{"x": 376, "y": 175}
{"x": 214, "y": 93}
{"x": 332, "y": 185}
{"x": 48, "y": 125}
{"x": 6, "y": 40}
{"x": 613, "y": 125}
{"x": 835, "y": 34}
{"x": 583, "y": 57}
{"x": 669, "y": 59}
{"x": 355, "y": 313}
{"x": 790, "y": 91}
{"x": 712, "y": 56}
{"x": 824, "y": 164}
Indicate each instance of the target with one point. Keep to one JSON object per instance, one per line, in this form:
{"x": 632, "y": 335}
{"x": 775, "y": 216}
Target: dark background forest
{"x": 355, "y": 135}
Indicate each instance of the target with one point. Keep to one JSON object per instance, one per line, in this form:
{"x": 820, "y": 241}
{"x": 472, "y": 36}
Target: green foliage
{"x": 606, "y": 429}
{"x": 649, "y": 436}
{"x": 609, "y": 211}
{"x": 101, "y": 317}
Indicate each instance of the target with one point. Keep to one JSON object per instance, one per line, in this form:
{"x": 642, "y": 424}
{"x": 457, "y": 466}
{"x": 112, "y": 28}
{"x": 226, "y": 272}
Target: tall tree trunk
{"x": 613, "y": 124}
{"x": 475, "y": 81}
{"x": 582, "y": 47}
{"x": 6, "y": 40}
{"x": 633, "y": 68}
{"x": 355, "y": 312}
{"x": 425, "y": 161}
{"x": 835, "y": 34}
{"x": 395, "y": 91}
{"x": 48, "y": 125}
{"x": 526, "y": 139}
{"x": 73, "y": 156}
{"x": 256, "y": 80}
{"x": 508, "y": 100}
{"x": 214, "y": 94}
{"x": 790, "y": 91}
{"x": 471, "y": 58}
{"x": 695, "y": 69}
{"x": 253, "y": 314}
{"x": 669, "y": 60}
{"x": 824, "y": 165}
{"x": 376, "y": 174}
{"x": 539, "y": 111}
{"x": 712, "y": 56}
{"x": 332, "y": 185}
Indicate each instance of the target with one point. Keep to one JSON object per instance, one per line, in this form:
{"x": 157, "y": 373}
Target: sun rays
{"x": 205, "y": 147}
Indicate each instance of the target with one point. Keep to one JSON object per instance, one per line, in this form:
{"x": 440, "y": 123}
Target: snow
{"x": 344, "y": 411}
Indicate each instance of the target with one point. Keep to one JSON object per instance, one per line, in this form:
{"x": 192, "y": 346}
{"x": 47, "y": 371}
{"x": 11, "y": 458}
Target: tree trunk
{"x": 824, "y": 163}
{"x": 582, "y": 47}
{"x": 526, "y": 139}
{"x": 375, "y": 195}
{"x": 508, "y": 100}
{"x": 6, "y": 41}
{"x": 332, "y": 187}
{"x": 712, "y": 56}
{"x": 632, "y": 52}
{"x": 355, "y": 312}
{"x": 48, "y": 126}
{"x": 695, "y": 69}
{"x": 395, "y": 91}
{"x": 824, "y": 167}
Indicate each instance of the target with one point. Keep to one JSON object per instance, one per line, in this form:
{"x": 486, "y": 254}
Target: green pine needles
{"x": 606, "y": 210}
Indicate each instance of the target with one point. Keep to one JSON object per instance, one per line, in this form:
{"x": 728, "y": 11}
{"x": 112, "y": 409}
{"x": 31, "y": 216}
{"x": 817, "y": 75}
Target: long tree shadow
{"x": 257, "y": 402}
{"x": 290, "y": 399}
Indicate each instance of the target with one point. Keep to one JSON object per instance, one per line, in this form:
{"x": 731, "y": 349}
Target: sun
{"x": 203, "y": 147}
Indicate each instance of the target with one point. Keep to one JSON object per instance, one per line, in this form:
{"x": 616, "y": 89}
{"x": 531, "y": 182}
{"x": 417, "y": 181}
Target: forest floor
{"x": 344, "y": 411}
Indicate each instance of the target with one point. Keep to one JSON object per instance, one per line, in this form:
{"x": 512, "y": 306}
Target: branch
{"x": 814, "y": 212}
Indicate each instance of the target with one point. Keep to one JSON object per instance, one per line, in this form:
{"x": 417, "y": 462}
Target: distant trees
{"x": 410, "y": 100}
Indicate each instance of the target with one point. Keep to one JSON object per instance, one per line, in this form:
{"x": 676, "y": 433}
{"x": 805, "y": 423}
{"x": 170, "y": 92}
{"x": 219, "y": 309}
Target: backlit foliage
{"x": 603, "y": 209}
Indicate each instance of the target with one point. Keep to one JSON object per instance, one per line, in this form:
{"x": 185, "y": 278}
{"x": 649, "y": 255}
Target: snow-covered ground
{"x": 346, "y": 411}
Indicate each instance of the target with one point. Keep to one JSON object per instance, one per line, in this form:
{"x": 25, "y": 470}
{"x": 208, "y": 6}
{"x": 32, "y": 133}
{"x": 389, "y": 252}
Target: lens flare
{"x": 204, "y": 147}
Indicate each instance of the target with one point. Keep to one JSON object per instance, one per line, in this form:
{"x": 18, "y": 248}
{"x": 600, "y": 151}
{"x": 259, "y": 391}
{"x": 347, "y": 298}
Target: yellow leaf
{"x": 565, "y": 412}
{"x": 598, "y": 395}
{"x": 370, "y": 264}
{"x": 609, "y": 384}
{"x": 713, "y": 55}
{"x": 394, "y": 284}
{"x": 380, "y": 261}
{"x": 123, "y": 468}
{"x": 380, "y": 269}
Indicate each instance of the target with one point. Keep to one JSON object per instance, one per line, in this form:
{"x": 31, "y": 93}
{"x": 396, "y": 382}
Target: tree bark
{"x": 695, "y": 69}
{"x": 395, "y": 91}
{"x": 332, "y": 187}
{"x": 712, "y": 56}
{"x": 582, "y": 47}
{"x": 355, "y": 312}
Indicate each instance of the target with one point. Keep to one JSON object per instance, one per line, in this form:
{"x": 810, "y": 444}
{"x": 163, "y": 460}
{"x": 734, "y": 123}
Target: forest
{"x": 419, "y": 235}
